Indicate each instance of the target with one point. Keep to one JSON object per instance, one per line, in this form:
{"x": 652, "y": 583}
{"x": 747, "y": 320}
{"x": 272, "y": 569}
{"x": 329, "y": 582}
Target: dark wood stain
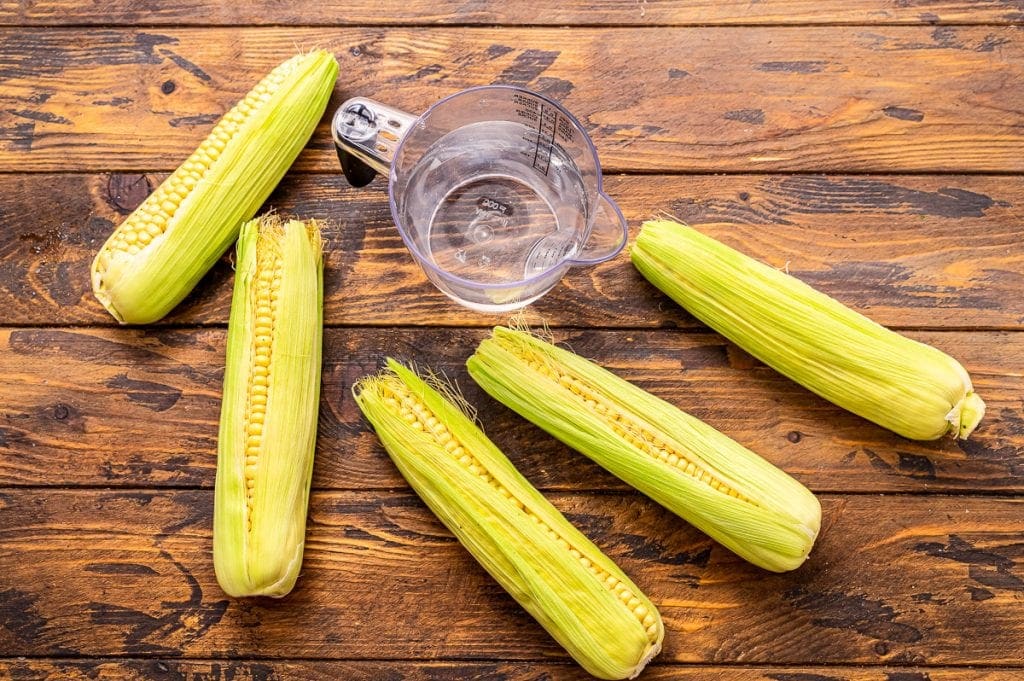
{"x": 189, "y": 121}
{"x": 752, "y": 116}
{"x": 871, "y": 618}
{"x": 792, "y": 66}
{"x": 903, "y": 113}
{"x": 526, "y": 67}
{"x": 152, "y": 395}
{"x": 186, "y": 65}
{"x": 126, "y": 192}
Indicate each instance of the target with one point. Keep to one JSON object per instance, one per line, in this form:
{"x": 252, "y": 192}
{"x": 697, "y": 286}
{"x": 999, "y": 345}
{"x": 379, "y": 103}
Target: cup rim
{"x": 565, "y": 262}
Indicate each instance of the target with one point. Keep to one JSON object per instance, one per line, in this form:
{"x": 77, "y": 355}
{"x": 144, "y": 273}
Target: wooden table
{"x": 875, "y": 147}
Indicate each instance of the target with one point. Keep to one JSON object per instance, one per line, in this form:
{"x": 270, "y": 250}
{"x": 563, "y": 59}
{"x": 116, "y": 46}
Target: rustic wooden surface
{"x": 875, "y": 148}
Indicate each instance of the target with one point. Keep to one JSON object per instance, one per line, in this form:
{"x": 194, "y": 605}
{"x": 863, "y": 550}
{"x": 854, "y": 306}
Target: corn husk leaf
{"x": 908, "y": 387}
{"x": 579, "y": 610}
{"x": 259, "y": 518}
{"x": 771, "y": 521}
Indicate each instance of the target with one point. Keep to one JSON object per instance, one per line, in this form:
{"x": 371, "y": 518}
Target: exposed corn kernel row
{"x": 266, "y": 289}
{"x": 414, "y": 412}
{"x": 631, "y": 429}
{"x": 150, "y": 220}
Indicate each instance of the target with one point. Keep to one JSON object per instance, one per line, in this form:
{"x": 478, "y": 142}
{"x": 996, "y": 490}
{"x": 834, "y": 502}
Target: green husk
{"x": 773, "y": 525}
{"x": 908, "y": 387}
{"x": 501, "y": 531}
{"x": 258, "y": 543}
{"x": 220, "y": 186}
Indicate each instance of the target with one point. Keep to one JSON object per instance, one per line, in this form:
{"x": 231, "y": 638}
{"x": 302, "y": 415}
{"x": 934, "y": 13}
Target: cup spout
{"x": 607, "y": 234}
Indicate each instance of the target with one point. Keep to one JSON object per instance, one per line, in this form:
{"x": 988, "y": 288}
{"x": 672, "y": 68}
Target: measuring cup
{"x": 495, "y": 190}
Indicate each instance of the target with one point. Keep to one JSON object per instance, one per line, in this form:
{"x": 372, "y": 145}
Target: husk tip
{"x": 972, "y": 410}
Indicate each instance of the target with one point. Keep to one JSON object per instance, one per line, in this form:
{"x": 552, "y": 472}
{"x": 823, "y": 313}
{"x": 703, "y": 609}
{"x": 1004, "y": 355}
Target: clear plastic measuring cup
{"x": 495, "y": 190}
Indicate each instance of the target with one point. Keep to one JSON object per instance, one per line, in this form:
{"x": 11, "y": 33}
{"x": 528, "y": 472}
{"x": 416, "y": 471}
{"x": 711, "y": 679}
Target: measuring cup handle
{"x": 607, "y": 234}
{"x": 366, "y": 134}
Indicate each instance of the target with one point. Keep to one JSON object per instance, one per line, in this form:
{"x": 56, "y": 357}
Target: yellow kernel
{"x": 259, "y": 390}
{"x": 133, "y": 250}
{"x": 648, "y": 620}
{"x": 253, "y": 442}
{"x": 585, "y": 562}
{"x": 633, "y": 602}
{"x": 652, "y": 631}
{"x": 673, "y": 459}
{"x": 259, "y": 381}
{"x": 256, "y": 417}
{"x": 640, "y": 610}
{"x": 574, "y": 553}
{"x": 258, "y": 370}
{"x": 169, "y": 206}
{"x": 255, "y": 429}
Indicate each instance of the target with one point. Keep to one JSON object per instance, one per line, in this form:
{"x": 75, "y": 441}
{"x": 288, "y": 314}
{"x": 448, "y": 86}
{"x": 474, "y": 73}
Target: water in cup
{"x": 494, "y": 202}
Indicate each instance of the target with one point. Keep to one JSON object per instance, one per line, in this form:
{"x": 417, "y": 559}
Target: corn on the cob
{"x": 908, "y": 387}
{"x": 158, "y": 254}
{"x": 710, "y": 480}
{"x": 579, "y": 596}
{"x": 269, "y": 410}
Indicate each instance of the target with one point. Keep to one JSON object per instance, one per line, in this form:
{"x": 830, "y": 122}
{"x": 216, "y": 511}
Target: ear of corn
{"x": 579, "y": 596}
{"x": 713, "y": 482}
{"x": 908, "y": 387}
{"x": 161, "y": 251}
{"x": 269, "y": 411}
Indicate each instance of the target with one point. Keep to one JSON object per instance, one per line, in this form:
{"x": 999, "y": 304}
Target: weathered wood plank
{"x": 871, "y": 99}
{"x": 490, "y": 12}
{"x": 894, "y": 580}
{"x": 910, "y": 251}
{"x": 140, "y": 408}
{"x": 282, "y": 670}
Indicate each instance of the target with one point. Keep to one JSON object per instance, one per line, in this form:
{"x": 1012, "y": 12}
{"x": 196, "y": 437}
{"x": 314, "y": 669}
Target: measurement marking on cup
{"x": 493, "y": 205}
{"x": 547, "y": 126}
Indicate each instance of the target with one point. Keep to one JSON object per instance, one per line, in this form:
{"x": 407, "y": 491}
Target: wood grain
{"x": 721, "y": 99}
{"x": 489, "y": 12}
{"x": 299, "y": 670}
{"x": 892, "y": 580}
{"x": 908, "y": 251}
{"x": 132, "y": 408}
